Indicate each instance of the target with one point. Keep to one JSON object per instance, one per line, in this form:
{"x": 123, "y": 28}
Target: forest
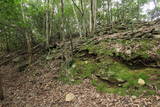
{"x": 79, "y": 53}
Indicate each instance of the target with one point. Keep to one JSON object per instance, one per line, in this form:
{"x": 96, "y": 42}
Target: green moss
{"x": 104, "y": 87}
{"x": 100, "y": 86}
{"x": 104, "y": 48}
{"x": 111, "y": 70}
{"x": 79, "y": 71}
{"x": 124, "y": 81}
{"x": 158, "y": 52}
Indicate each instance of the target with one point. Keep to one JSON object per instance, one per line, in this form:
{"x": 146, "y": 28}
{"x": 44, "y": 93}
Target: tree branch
{"x": 78, "y": 8}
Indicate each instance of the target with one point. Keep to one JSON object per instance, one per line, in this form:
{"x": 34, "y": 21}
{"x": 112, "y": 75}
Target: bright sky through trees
{"x": 147, "y": 7}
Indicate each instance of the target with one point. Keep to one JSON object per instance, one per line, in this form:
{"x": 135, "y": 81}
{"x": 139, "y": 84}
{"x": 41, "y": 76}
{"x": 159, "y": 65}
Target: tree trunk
{"x": 93, "y": 15}
{"x": 47, "y": 25}
{"x": 50, "y": 20}
{"x": 82, "y": 13}
{"x": 108, "y": 11}
{"x": 1, "y": 89}
{"x": 138, "y": 8}
{"x": 27, "y": 36}
{"x": 62, "y": 10}
{"x": 76, "y": 17}
{"x": 62, "y": 30}
{"x": 155, "y": 4}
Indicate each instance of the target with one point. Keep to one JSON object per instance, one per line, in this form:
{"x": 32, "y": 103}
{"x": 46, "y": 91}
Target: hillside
{"x": 117, "y": 62}
{"x": 115, "y": 68}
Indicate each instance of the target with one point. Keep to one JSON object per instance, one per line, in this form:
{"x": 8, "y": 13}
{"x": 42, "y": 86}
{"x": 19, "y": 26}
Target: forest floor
{"x": 39, "y": 87}
{"x": 43, "y": 85}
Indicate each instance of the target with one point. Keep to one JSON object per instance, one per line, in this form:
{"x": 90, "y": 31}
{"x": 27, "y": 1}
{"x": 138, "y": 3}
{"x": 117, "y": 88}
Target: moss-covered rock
{"x": 127, "y": 50}
{"x": 110, "y": 75}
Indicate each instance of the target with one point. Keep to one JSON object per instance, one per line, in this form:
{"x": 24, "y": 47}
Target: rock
{"x": 128, "y": 52}
{"x": 86, "y": 62}
{"x": 156, "y": 31}
{"x": 141, "y": 82}
{"x": 18, "y": 59}
{"x": 120, "y": 80}
{"x": 134, "y": 97}
{"x": 70, "y": 97}
{"x": 118, "y": 49}
{"x": 72, "y": 80}
{"x": 156, "y": 36}
{"x": 74, "y": 65}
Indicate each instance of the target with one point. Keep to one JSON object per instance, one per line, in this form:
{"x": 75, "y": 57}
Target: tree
{"x": 32, "y": 22}
{"x": 93, "y": 16}
{"x": 28, "y": 37}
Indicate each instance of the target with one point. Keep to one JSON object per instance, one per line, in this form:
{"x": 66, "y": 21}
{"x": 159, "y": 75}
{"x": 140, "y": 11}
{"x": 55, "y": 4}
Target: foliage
{"x": 76, "y": 18}
{"x": 25, "y": 24}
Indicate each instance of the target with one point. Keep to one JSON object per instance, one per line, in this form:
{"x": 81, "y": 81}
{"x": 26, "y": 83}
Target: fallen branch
{"x": 5, "y": 62}
{"x": 152, "y": 66}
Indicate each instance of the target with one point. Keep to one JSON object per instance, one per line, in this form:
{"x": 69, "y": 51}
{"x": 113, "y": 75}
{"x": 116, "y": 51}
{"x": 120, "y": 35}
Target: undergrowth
{"x": 110, "y": 75}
